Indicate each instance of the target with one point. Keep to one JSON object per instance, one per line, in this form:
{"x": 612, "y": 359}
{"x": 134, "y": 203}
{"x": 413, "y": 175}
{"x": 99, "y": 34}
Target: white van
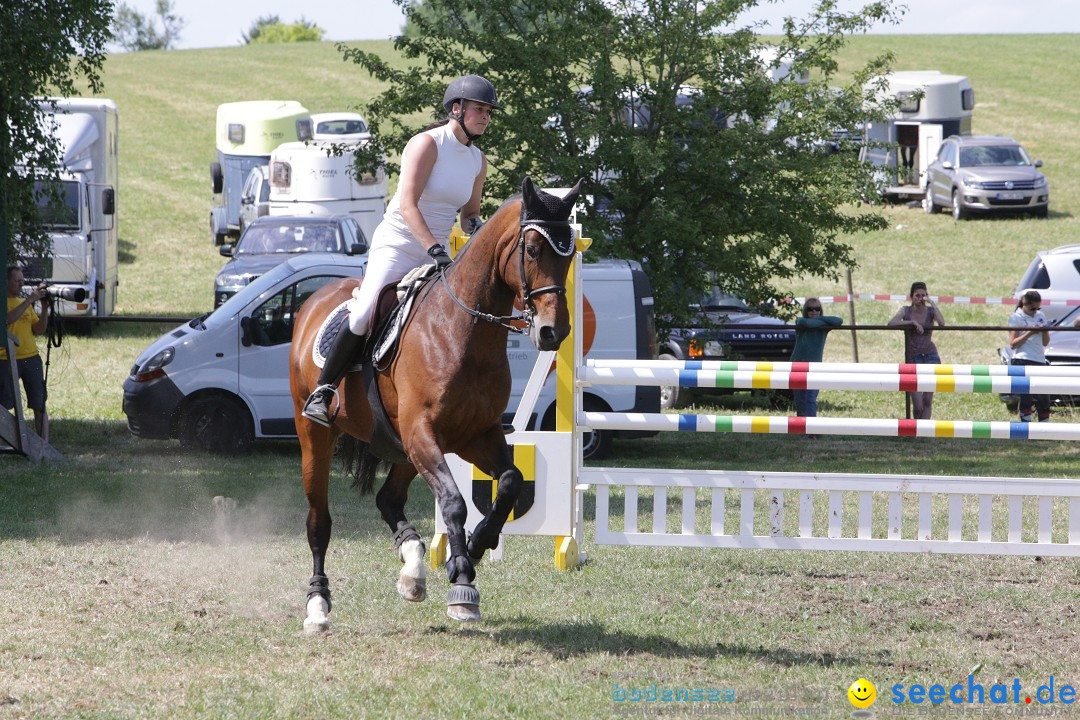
{"x": 309, "y": 179}
{"x": 222, "y": 380}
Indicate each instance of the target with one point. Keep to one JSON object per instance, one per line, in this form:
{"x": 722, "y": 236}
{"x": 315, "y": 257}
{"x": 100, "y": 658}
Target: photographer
{"x": 1028, "y": 343}
{"x": 24, "y": 323}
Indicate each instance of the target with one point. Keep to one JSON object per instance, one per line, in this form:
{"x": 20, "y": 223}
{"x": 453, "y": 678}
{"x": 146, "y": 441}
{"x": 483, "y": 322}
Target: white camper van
{"x": 309, "y": 179}
{"x": 246, "y": 134}
{"x": 221, "y": 381}
{"x": 932, "y": 106}
{"x": 83, "y": 231}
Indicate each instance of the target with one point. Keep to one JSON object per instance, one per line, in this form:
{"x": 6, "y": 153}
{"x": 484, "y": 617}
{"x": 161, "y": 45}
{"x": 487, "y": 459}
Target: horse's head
{"x": 546, "y": 249}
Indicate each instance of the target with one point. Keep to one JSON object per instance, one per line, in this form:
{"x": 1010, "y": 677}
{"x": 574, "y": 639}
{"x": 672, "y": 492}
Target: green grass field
{"x": 123, "y": 595}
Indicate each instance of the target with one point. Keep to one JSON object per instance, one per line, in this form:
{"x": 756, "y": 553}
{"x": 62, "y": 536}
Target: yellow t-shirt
{"x": 24, "y": 332}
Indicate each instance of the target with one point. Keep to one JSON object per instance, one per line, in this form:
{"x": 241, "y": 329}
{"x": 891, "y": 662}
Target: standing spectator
{"x": 1027, "y": 346}
{"x": 811, "y": 331}
{"x": 907, "y": 137}
{"x": 918, "y": 319}
{"x": 24, "y": 323}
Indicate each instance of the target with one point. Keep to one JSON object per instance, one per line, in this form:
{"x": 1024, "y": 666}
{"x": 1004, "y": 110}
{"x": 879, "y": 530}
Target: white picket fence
{"x": 820, "y": 511}
{"x": 835, "y": 511}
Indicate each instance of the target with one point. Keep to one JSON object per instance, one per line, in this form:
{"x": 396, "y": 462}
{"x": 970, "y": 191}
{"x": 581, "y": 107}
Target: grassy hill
{"x": 168, "y": 101}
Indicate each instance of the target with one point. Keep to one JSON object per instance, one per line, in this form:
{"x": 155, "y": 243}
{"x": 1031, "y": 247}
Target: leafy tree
{"x": 257, "y": 27}
{"x": 698, "y": 164}
{"x": 135, "y": 31}
{"x": 270, "y": 29}
{"x": 429, "y": 11}
{"x": 45, "y": 45}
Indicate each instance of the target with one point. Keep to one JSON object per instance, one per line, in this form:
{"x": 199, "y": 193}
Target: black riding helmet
{"x": 469, "y": 87}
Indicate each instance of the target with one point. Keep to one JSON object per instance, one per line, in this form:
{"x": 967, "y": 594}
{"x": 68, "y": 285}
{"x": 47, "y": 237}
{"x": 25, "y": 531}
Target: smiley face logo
{"x": 862, "y": 693}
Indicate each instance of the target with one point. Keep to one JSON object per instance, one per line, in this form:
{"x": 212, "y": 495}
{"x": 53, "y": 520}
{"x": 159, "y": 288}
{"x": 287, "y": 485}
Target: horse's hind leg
{"x": 412, "y": 580}
{"x": 317, "y": 447}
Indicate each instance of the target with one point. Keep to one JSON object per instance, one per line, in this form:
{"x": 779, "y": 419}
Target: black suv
{"x": 720, "y": 335}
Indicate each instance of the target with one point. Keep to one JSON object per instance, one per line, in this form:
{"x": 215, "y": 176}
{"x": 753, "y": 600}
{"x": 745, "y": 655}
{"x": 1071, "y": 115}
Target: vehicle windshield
{"x": 341, "y": 127}
{"x": 717, "y": 300}
{"x": 268, "y": 238}
{"x": 980, "y": 155}
{"x": 58, "y": 213}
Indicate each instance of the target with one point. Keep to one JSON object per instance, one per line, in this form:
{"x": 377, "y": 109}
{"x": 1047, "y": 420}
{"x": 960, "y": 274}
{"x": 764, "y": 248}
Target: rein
{"x": 527, "y": 295}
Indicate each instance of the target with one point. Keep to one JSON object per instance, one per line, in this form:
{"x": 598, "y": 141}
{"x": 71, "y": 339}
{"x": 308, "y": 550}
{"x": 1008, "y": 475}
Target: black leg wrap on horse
{"x": 405, "y": 532}
{"x": 320, "y": 585}
{"x": 459, "y": 563}
{"x": 478, "y": 543}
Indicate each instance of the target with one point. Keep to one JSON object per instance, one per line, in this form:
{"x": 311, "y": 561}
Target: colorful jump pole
{"x": 744, "y": 380}
{"x": 782, "y": 425}
{"x": 844, "y": 368}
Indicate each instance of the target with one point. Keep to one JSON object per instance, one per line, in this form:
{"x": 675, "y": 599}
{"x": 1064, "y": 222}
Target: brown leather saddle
{"x": 377, "y": 355}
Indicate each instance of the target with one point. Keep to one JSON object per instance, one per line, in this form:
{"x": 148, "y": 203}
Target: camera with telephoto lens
{"x": 66, "y": 292}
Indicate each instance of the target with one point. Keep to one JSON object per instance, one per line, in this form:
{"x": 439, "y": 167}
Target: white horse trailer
{"x": 932, "y": 106}
{"x": 309, "y": 179}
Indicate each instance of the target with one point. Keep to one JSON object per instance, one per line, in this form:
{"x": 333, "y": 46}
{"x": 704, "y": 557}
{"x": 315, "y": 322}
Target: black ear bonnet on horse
{"x": 549, "y": 215}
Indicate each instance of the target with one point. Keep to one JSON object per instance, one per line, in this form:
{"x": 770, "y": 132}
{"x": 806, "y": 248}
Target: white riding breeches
{"x": 387, "y": 263}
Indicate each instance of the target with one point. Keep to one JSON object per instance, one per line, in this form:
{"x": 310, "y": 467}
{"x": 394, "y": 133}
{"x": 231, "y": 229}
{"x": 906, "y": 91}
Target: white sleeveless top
{"x": 449, "y": 186}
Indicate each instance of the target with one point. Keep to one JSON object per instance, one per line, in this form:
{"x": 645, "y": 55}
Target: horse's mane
{"x": 491, "y": 221}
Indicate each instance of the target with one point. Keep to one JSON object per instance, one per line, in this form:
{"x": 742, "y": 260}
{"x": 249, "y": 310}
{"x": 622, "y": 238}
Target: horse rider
{"x": 442, "y": 171}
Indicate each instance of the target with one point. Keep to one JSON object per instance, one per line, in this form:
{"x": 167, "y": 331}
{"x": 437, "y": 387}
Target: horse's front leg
{"x": 317, "y": 450}
{"x": 463, "y": 600}
{"x": 491, "y": 454}
{"x": 412, "y": 580}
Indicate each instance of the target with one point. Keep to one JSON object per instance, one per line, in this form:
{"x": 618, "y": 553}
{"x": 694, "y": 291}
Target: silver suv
{"x": 980, "y": 173}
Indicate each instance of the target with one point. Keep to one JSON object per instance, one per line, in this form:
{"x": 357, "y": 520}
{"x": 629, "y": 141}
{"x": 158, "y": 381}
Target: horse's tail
{"x": 358, "y": 460}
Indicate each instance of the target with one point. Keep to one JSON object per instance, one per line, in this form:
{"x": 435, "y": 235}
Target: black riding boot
{"x": 343, "y": 353}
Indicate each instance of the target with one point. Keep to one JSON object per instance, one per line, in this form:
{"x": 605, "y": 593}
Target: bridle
{"x": 513, "y": 322}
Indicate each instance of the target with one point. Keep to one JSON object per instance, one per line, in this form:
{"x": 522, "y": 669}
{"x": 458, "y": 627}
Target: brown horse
{"x": 445, "y": 391}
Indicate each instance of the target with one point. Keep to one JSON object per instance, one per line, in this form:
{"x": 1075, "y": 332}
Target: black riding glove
{"x": 438, "y": 254}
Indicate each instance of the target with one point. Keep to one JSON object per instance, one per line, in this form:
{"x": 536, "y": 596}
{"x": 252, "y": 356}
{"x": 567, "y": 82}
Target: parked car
{"x": 340, "y": 127}
{"x": 981, "y": 174}
{"x": 720, "y": 336}
{"x": 1056, "y": 275}
{"x": 1064, "y": 349}
{"x": 255, "y": 196}
{"x": 268, "y": 241}
{"x": 222, "y": 380}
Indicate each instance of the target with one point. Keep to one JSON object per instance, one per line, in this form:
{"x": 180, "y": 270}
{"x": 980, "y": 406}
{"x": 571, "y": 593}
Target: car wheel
{"x": 597, "y": 444}
{"x": 928, "y": 203}
{"x": 1041, "y": 212}
{"x": 216, "y": 424}
{"x": 958, "y": 211}
{"x": 672, "y": 397}
{"x": 215, "y": 237}
{"x": 217, "y": 179}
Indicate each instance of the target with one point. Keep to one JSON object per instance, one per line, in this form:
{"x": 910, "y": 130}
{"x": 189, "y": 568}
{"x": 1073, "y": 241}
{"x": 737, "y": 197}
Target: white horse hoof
{"x": 316, "y": 626}
{"x": 412, "y": 589}
{"x": 412, "y": 580}
{"x": 317, "y": 620}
